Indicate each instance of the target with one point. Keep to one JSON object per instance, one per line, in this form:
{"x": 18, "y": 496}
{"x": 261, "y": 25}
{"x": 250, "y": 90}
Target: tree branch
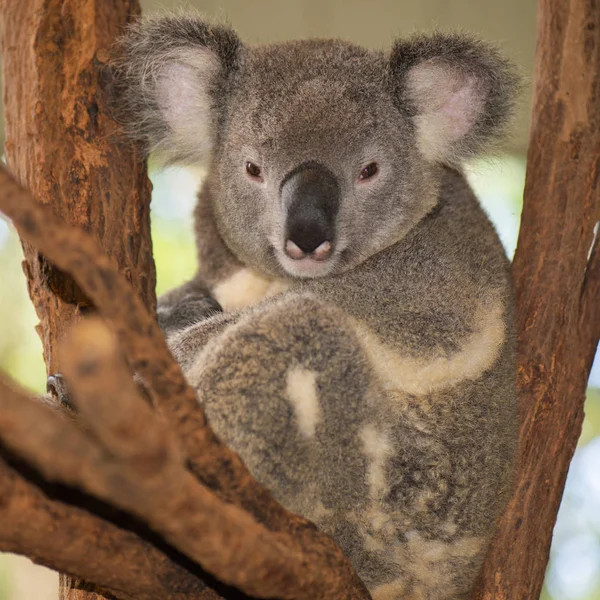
{"x": 144, "y": 346}
{"x": 63, "y": 146}
{"x": 171, "y": 501}
{"x": 558, "y": 289}
{"x": 72, "y": 540}
{"x": 143, "y": 471}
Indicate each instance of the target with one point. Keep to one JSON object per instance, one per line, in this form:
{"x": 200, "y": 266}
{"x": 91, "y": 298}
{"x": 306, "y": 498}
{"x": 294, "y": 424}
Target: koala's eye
{"x": 253, "y": 170}
{"x": 369, "y": 171}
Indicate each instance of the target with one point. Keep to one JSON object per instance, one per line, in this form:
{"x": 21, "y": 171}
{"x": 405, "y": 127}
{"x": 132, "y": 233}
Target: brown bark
{"x": 61, "y": 145}
{"x": 72, "y": 539}
{"x": 145, "y": 348}
{"x": 557, "y": 275}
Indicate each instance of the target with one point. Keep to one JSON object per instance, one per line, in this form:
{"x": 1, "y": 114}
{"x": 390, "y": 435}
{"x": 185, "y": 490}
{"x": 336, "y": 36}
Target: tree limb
{"x": 143, "y": 471}
{"x": 284, "y": 571}
{"x": 558, "y": 289}
{"x": 72, "y": 540}
{"x": 144, "y": 346}
{"x": 61, "y": 144}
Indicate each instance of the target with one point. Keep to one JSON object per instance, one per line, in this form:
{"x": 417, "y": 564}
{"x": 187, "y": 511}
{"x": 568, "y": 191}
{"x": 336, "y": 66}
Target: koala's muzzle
{"x": 311, "y": 198}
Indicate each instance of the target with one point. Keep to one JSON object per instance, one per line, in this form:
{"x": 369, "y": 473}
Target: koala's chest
{"x": 245, "y": 288}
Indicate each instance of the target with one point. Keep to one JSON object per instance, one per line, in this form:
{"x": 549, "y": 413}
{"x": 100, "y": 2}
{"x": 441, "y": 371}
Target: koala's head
{"x": 320, "y": 153}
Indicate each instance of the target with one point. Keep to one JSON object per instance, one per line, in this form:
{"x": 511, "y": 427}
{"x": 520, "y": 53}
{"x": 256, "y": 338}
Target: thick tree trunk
{"x": 60, "y": 145}
{"x": 557, "y": 277}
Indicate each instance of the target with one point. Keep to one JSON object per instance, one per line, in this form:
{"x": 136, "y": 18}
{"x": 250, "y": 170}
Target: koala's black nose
{"x": 311, "y": 194}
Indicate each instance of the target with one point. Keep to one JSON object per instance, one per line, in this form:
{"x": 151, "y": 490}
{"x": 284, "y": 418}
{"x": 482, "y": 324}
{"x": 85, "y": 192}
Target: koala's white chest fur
{"x": 423, "y": 375}
{"x": 245, "y": 288}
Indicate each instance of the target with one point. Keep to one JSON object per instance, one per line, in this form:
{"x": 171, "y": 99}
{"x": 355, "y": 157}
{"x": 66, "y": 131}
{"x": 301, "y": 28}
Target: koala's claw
{"x": 208, "y": 304}
{"x": 56, "y": 385}
{"x": 187, "y": 311}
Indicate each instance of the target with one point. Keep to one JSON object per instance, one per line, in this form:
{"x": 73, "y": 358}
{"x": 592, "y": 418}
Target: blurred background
{"x": 574, "y": 568}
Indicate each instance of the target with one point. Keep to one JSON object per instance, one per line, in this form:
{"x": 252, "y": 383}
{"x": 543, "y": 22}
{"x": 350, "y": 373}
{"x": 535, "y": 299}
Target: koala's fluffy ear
{"x": 172, "y": 79}
{"x": 459, "y": 92}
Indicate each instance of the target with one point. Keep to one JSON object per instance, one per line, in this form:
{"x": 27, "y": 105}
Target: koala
{"x": 350, "y": 328}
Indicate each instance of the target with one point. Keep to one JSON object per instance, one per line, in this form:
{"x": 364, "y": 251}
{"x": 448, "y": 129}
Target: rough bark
{"x": 60, "y": 144}
{"x": 70, "y": 539}
{"x": 557, "y": 276}
{"x": 142, "y": 342}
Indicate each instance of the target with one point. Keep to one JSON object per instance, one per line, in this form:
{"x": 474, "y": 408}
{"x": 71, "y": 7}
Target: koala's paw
{"x": 187, "y": 311}
{"x": 58, "y": 391}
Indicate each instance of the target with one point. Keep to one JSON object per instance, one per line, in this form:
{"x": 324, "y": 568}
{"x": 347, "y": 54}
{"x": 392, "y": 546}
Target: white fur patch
{"x": 301, "y": 390}
{"x": 395, "y": 590}
{"x": 420, "y": 376}
{"x": 378, "y": 449}
{"x": 430, "y": 566}
{"x": 245, "y": 288}
{"x": 320, "y": 513}
{"x": 431, "y": 562}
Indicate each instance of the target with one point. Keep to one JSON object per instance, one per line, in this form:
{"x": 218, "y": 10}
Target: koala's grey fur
{"x": 373, "y": 392}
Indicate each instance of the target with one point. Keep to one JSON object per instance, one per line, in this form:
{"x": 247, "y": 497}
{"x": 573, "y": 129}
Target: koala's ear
{"x": 172, "y": 78}
{"x": 459, "y": 92}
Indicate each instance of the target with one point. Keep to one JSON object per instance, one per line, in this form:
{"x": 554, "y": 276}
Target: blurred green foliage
{"x": 20, "y": 348}
{"x": 174, "y": 255}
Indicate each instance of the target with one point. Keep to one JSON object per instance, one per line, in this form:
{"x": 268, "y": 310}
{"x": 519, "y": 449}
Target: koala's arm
{"x": 195, "y": 299}
{"x": 195, "y": 287}
{"x": 185, "y": 306}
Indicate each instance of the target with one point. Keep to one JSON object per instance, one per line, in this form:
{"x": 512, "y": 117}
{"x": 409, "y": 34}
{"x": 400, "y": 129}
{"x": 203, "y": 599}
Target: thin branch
{"x": 72, "y": 540}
